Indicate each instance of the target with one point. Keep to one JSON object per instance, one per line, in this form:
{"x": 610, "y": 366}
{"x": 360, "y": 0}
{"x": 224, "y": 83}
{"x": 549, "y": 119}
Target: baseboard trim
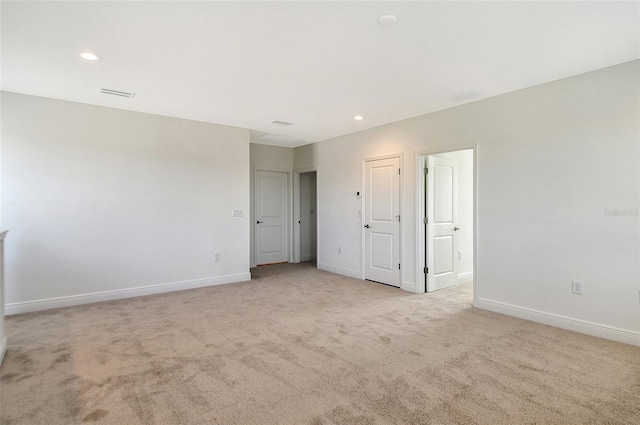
{"x": 408, "y": 286}
{"x": 72, "y": 300}
{"x": 3, "y": 349}
{"x": 593, "y": 329}
{"x": 356, "y": 274}
{"x": 465, "y": 276}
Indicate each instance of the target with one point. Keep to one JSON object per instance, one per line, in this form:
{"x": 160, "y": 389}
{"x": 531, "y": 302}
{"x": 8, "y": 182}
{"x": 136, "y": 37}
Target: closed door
{"x": 442, "y": 214}
{"x": 271, "y": 202}
{"x": 382, "y": 221}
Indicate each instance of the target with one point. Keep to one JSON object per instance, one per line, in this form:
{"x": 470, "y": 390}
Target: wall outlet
{"x": 339, "y": 250}
{"x": 217, "y": 257}
{"x": 460, "y": 255}
{"x": 576, "y": 287}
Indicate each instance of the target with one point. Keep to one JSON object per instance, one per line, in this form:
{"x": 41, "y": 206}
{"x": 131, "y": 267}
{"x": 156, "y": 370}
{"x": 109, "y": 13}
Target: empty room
{"x": 320, "y": 213}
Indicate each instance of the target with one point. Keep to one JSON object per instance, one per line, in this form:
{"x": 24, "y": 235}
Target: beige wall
{"x": 273, "y": 157}
{"x": 550, "y": 160}
{"x": 104, "y": 203}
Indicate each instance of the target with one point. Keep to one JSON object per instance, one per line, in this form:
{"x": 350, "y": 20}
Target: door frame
{"x": 363, "y": 243}
{"x": 254, "y": 251}
{"x": 422, "y": 158}
{"x": 295, "y": 255}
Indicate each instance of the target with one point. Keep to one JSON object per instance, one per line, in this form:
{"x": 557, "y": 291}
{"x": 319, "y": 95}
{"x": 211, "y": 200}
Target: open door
{"x": 442, "y": 214}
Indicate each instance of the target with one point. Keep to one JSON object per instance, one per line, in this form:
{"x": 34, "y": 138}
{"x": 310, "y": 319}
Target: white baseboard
{"x": 408, "y": 286}
{"x": 465, "y": 276}
{"x": 356, "y": 274}
{"x": 3, "y": 349}
{"x": 594, "y": 329}
{"x": 68, "y": 301}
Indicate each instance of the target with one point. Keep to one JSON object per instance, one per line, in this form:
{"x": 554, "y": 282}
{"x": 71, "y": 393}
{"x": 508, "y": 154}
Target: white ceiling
{"x": 314, "y": 64}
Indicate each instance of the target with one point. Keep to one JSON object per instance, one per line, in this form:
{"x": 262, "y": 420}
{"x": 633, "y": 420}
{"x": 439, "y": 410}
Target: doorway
{"x": 307, "y": 220}
{"x": 447, "y": 219}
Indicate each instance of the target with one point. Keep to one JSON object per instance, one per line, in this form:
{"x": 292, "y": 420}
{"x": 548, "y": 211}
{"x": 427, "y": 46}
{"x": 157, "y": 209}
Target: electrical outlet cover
{"x": 576, "y": 287}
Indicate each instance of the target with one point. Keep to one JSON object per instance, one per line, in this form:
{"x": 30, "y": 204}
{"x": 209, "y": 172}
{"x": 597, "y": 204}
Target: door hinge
{"x": 398, "y": 266}
{"x": 425, "y": 270}
{"x": 398, "y": 171}
{"x": 398, "y": 218}
{"x": 425, "y": 170}
{"x": 425, "y": 220}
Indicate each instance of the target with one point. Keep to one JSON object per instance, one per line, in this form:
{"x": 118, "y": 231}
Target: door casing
{"x": 295, "y": 255}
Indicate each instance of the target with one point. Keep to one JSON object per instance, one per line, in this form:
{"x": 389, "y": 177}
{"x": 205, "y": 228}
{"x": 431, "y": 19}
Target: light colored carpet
{"x": 302, "y": 346}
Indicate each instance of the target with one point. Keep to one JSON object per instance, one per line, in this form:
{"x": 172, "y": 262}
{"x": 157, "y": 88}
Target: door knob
{"x": 258, "y": 222}
{"x": 366, "y": 226}
{"x": 455, "y": 229}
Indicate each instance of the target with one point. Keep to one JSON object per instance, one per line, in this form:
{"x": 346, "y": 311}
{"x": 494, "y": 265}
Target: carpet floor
{"x": 301, "y": 346}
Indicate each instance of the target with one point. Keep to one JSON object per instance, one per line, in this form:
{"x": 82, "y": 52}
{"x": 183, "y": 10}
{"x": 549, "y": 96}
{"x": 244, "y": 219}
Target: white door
{"x": 382, "y": 221}
{"x": 442, "y": 215}
{"x": 271, "y": 203}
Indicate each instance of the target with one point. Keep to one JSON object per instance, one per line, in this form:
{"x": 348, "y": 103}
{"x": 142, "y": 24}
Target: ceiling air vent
{"x": 286, "y": 124}
{"x": 463, "y": 96}
{"x": 116, "y": 93}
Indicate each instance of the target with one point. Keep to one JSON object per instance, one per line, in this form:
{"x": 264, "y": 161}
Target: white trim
{"x": 296, "y": 257}
{"x": 3, "y": 349}
{"x": 72, "y": 300}
{"x": 339, "y": 270}
{"x": 421, "y": 284}
{"x": 465, "y": 276}
{"x": 408, "y": 286}
{"x": 295, "y": 222}
{"x": 581, "y": 326}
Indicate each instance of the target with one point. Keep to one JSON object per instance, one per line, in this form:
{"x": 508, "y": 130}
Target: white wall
{"x": 464, "y": 167}
{"x": 101, "y": 201}
{"x": 308, "y": 222}
{"x": 550, "y": 160}
{"x": 266, "y": 157}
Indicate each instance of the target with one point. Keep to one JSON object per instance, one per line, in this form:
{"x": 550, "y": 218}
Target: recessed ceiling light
{"x": 358, "y": 118}
{"x": 89, "y": 56}
{"x": 387, "y": 20}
